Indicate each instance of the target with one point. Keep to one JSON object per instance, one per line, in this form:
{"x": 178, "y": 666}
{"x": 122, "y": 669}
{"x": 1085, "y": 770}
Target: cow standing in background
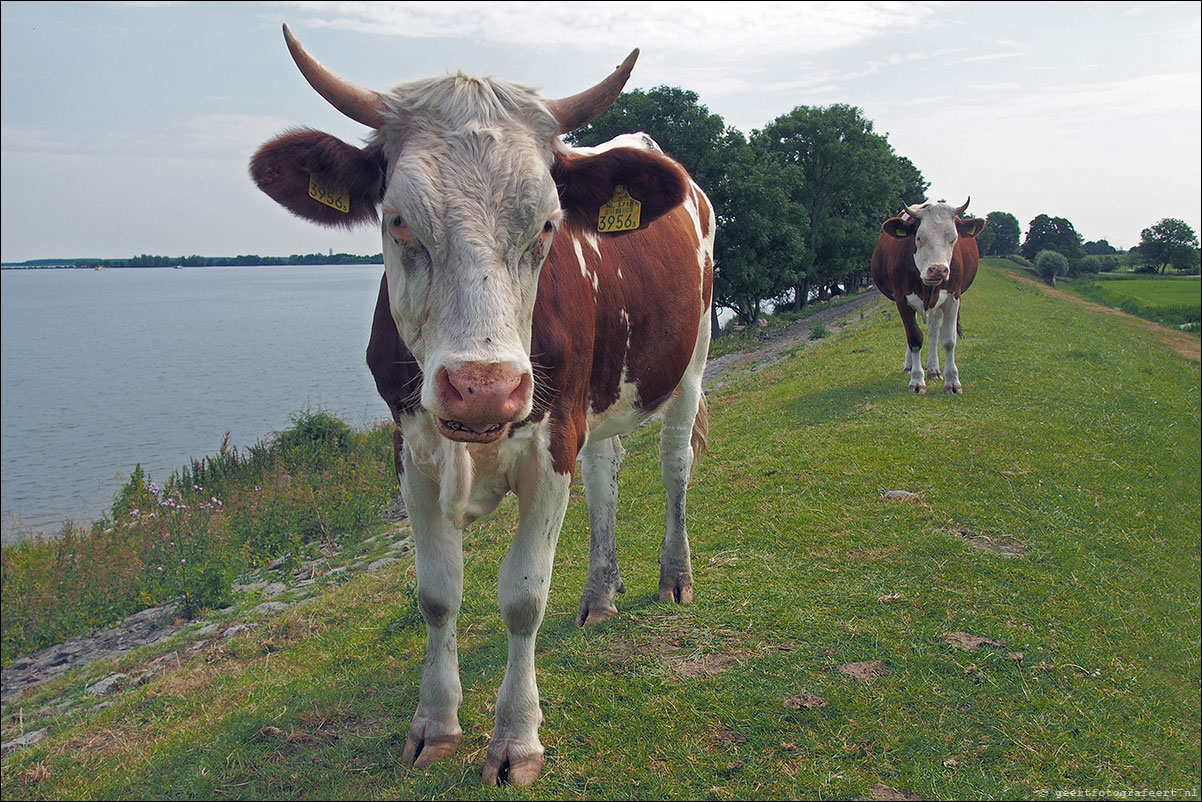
{"x": 925, "y": 260}
{"x": 513, "y": 332}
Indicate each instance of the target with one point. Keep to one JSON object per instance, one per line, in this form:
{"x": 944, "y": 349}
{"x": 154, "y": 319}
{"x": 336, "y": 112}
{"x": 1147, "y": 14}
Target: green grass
{"x": 1075, "y": 446}
{"x": 1174, "y": 301}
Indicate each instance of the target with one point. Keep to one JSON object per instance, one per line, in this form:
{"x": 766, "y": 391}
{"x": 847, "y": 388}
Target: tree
{"x": 1000, "y": 237}
{"x": 914, "y": 186}
{"x": 1052, "y": 234}
{"x": 1049, "y": 264}
{"x": 761, "y": 240}
{"x": 1099, "y": 248}
{"x": 850, "y": 182}
{"x": 1169, "y": 243}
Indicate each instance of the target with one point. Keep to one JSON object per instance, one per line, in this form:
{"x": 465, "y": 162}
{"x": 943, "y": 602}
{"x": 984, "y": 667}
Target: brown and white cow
{"x": 510, "y": 338}
{"x": 925, "y": 260}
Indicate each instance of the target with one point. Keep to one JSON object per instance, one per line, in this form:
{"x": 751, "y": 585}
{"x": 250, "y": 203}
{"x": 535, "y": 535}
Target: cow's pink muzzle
{"x": 936, "y": 274}
{"x": 479, "y": 401}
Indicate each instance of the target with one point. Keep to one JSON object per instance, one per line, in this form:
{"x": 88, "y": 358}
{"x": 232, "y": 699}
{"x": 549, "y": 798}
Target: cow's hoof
{"x": 934, "y": 374}
{"x": 954, "y": 390}
{"x": 594, "y": 615}
{"x": 421, "y": 751}
{"x": 502, "y": 767}
{"x": 678, "y": 592}
{"x": 921, "y": 389}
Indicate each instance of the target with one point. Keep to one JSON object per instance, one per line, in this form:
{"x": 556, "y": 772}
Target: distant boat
{"x": 178, "y": 267}
{"x": 101, "y": 267}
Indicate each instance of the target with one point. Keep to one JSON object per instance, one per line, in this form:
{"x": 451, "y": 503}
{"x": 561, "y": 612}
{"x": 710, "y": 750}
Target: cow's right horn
{"x": 361, "y": 105}
{"x": 578, "y": 110}
{"x": 963, "y": 208}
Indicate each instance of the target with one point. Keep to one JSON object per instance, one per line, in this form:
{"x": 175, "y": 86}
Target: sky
{"x": 127, "y": 127}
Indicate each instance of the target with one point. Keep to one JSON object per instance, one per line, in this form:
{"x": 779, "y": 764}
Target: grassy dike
{"x": 1055, "y": 514}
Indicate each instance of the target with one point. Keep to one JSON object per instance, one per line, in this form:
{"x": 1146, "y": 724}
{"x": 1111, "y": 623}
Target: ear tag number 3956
{"x": 619, "y": 213}
{"x": 334, "y": 198}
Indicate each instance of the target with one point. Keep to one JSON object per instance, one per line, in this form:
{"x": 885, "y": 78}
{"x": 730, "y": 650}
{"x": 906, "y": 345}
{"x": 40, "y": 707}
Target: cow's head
{"x": 934, "y": 228}
{"x": 470, "y": 183}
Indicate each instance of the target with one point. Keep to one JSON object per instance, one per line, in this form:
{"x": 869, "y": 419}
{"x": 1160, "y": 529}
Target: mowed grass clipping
{"x": 1055, "y": 513}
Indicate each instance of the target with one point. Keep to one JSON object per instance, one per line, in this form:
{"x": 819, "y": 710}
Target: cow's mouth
{"x": 471, "y": 432}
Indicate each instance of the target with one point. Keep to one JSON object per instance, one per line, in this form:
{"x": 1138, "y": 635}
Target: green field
{"x": 1169, "y": 300}
{"x": 1055, "y": 513}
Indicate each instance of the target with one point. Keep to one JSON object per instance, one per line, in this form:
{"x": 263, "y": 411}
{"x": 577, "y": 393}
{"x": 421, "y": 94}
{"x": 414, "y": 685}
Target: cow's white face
{"x": 467, "y": 220}
{"x": 934, "y": 241}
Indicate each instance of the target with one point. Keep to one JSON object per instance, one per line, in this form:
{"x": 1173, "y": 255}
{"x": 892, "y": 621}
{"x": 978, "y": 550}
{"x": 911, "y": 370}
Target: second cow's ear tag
{"x": 337, "y": 199}
{"x": 619, "y": 213}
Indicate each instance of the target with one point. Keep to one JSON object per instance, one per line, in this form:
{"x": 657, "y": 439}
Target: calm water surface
{"x": 102, "y": 370}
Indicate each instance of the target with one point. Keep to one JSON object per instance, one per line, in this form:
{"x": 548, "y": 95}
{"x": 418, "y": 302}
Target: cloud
{"x": 723, "y": 30}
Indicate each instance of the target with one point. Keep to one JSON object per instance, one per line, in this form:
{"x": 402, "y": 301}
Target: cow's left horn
{"x": 964, "y": 208}
{"x": 578, "y": 110}
{"x": 361, "y": 105}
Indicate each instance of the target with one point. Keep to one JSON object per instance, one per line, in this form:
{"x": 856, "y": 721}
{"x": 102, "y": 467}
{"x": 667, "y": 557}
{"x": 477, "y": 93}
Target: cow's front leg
{"x": 918, "y": 381}
{"x": 951, "y": 316}
{"x": 515, "y": 755}
{"x": 434, "y": 732}
{"x": 935, "y": 321}
{"x": 601, "y": 462}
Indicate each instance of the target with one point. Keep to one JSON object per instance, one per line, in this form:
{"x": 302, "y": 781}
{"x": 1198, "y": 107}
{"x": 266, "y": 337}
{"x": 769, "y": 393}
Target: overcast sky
{"x": 127, "y": 127}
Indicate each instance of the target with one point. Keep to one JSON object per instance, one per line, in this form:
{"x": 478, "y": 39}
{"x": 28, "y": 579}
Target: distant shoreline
{"x": 244, "y": 260}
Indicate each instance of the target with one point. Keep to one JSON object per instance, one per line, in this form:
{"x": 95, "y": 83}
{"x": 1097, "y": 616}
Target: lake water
{"x": 102, "y": 370}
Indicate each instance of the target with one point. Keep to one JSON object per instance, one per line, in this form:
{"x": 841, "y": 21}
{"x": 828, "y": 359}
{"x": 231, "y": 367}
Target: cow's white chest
{"x": 915, "y": 303}
{"x": 472, "y": 478}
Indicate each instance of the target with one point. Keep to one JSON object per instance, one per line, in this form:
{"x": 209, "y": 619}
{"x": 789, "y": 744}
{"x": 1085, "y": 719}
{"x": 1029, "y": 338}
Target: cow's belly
{"x": 621, "y": 417}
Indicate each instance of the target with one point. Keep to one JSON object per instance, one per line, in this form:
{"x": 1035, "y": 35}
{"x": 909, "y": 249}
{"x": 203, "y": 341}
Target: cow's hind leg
{"x": 434, "y": 732}
{"x": 680, "y": 443}
{"x": 601, "y": 462}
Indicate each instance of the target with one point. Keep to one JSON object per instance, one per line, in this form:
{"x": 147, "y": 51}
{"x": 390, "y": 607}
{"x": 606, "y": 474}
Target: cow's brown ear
{"x": 896, "y": 227}
{"x": 586, "y": 181}
{"x": 970, "y": 227}
{"x": 320, "y": 177}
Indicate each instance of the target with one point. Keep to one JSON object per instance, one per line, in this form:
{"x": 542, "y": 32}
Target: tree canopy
{"x": 851, "y": 182}
{"x": 1169, "y": 243}
{"x": 1052, "y": 234}
{"x": 1000, "y": 237}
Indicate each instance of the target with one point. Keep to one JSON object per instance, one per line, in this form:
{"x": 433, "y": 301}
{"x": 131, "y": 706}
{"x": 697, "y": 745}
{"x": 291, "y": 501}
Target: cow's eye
{"x": 397, "y": 221}
{"x": 548, "y": 227}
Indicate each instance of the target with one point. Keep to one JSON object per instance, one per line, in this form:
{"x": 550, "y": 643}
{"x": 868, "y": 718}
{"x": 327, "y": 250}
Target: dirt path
{"x": 773, "y": 347}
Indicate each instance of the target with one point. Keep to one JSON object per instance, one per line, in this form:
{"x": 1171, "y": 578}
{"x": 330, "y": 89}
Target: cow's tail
{"x": 701, "y": 433}
{"x": 959, "y": 331}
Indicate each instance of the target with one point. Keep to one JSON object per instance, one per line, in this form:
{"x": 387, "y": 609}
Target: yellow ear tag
{"x": 619, "y": 213}
{"x": 334, "y": 198}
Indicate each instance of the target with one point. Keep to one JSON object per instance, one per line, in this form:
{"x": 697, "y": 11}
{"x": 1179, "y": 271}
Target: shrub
{"x": 1049, "y": 264}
